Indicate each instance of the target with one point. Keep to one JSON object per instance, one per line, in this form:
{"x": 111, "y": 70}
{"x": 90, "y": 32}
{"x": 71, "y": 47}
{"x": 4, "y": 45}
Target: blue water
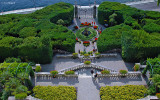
{"x": 8, "y": 5}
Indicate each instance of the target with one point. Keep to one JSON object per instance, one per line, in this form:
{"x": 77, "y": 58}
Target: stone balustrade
{"x": 92, "y": 65}
{"x": 117, "y": 74}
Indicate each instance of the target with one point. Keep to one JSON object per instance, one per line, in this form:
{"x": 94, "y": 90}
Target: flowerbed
{"x": 86, "y": 43}
{"x": 126, "y": 92}
{"x": 95, "y": 27}
{"x": 55, "y": 92}
{"x": 83, "y": 37}
{"x": 86, "y": 24}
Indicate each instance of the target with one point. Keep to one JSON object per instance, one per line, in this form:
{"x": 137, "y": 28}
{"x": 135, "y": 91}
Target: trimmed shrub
{"x": 55, "y": 92}
{"x": 83, "y": 37}
{"x": 123, "y": 71}
{"x": 151, "y": 27}
{"x": 126, "y": 92}
{"x": 136, "y": 67}
{"x": 8, "y": 47}
{"x": 87, "y": 62}
{"x": 36, "y": 49}
{"x": 54, "y": 73}
{"x": 86, "y": 55}
{"x": 21, "y": 96}
{"x": 75, "y": 55}
{"x": 27, "y": 31}
{"x": 137, "y": 44}
{"x": 38, "y": 68}
{"x": 71, "y": 72}
{"x": 105, "y": 72}
{"x": 111, "y": 38}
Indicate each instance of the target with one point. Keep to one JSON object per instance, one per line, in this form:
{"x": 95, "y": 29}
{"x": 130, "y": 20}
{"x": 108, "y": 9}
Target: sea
{"x": 9, "y": 5}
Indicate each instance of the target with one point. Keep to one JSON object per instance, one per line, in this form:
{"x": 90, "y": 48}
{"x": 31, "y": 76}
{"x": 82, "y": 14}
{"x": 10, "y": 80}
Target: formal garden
{"x": 29, "y": 44}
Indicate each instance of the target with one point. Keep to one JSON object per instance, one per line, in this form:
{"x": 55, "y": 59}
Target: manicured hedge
{"x": 39, "y": 24}
{"x": 110, "y": 38}
{"x": 126, "y": 92}
{"x": 137, "y": 44}
{"x": 9, "y": 47}
{"x": 55, "y": 92}
{"x": 83, "y": 37}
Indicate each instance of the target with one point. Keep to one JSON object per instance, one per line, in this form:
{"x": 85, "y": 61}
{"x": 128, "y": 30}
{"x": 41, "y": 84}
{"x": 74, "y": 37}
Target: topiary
{"x": 71, "y": 72}
{"x": 105, "y": 72}
{"x": 86, "y": 55}
{"x": 21, "y": 96}
{"x": 87, "y": 62}
{"x": 38, "y": 68}
{"x": 123, "y": 71}
{"x": 75, "y": 55}
{"x": 53, "y": 73}
{"x": 136, "y": 67}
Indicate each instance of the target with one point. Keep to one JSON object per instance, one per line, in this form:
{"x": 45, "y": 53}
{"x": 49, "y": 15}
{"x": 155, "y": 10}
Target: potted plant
{"x": 123, "y": 72}
{"x": 97, "y": 54}
{"x": 105, "y": 72}
{"x": 71, "y": 72}
{"x": 136, "y": 67}
{"x": 158, "y": 95}
{"x": 38, "y": 69}
{"x": 53, "y": 73}
{"x": 75, "y": 55}
{"x": 86, "y": 55}
{"x": 87, "y": 62}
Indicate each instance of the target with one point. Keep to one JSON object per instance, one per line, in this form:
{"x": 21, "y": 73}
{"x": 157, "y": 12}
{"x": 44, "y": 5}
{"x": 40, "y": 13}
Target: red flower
{"x": 86, "y": 42}
{"x": 85, "y": 22}
{"x": 95, "y": 27}
{"x": 76, "y": 39}
{"x": 100, "y": 32}
{"x": 96, "y": 39}
{"x": 76, "y": 27}
{"x": 82, "y": 23}
{"x": 94, "y": 23}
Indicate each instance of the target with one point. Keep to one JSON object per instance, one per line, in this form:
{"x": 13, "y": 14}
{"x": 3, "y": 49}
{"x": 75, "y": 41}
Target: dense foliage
{"x": 83, "y": 37}
{"x": 33, "y": 36}
{"x": 15, "y": 79}
{"x": 126, "y": 92}
{"x": 55, "y": 92}
{"x": 110, "y": 38}
{"x": 137, "y": 45}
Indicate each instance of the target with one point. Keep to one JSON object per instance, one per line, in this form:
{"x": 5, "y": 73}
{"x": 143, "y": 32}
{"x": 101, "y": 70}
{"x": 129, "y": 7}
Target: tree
{"x": 156, "y": 81}
{"x": 158, "y": 2}
{"x": 112, "y": 19}
{"x": 60, "y": 22}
